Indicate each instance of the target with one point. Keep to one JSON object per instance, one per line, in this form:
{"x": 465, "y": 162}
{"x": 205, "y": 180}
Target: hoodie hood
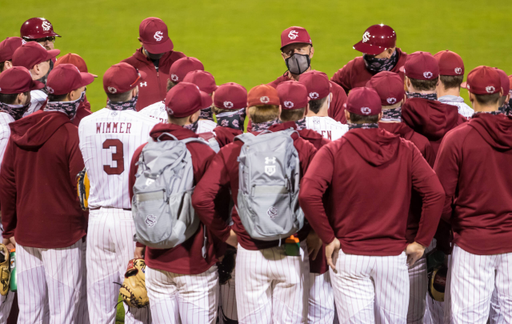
{"x": 400, "y": 129}
{"x": 178, "y": 131}
{"x": 494, "y": 129}
{"x": 307, "y": 134}
{"x": 225, "y": 135}
{"x": 376, "y": 146}
{"x": 31, "y": 132}
{"x": 430, "y": 118}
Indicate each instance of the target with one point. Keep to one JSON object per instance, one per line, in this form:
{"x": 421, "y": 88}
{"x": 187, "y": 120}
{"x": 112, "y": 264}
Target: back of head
{"x": 293, "y": 97}
{"x": 451, "y": 69}
{"x": 229, "y": 97}
{"x": 422, "y": 70}
{"x": 263, "y": 104}
{"x": 484, "y": 84}
{"x": 389, "y": 86}
{"x": 318, "y": 87}
{"x": 75, "y": 59}
{"x": 364, "y": 106}
{"x": 119, "y": 80}
{"x": 204, "y": 80}
{"x": 181, "y": 67}
{"x": 185, "y": 100}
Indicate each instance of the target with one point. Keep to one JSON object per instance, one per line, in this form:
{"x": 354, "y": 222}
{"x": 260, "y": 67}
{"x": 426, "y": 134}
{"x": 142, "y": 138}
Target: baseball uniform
{"x": 108, "y": 139}
{"x": 38, "y": 99}
{"x": 327, "y": 127}
{"x": 458, "y": 101}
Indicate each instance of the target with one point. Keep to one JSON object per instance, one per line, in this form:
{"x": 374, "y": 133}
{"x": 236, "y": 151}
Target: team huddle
{"x": 292, "y": 202}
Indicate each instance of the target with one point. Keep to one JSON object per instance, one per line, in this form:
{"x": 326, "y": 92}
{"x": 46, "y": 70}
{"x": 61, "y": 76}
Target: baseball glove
{"x": 133, "y": 290}
{"x": 82, "y": 187}
{"x": 227, "y": 265}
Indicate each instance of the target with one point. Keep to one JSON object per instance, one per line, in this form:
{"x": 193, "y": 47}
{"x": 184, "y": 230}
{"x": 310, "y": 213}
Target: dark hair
{"x": 360, "y": 119}
{"x": 2, "y": 64}
{"x": 119, "y": 97}
{"x": 425, "y": 85}
{"x": 52, "y": 97}
{"x": 315, "y": 105}
{"x": 487, "y": 99}
{"x": 292, "y": 114}
{"x": 170, "y": 84}
{"x": 451, "y": 81}
{"x": 8, "y": 98}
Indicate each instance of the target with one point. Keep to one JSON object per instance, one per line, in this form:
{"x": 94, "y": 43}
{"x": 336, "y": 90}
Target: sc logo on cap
{"x": 458, "y": 70}
{"x": 112, "y": 90}
{"x": 391, "y": 101}
{"x": 158, "y": 36}
{"x": 366, "y": 110}
{"x": 428, "y": 75}
{"x": 46, "y": 25}
{"x": 50, "y": 89}
{"x": 314, "y": 95}
{"x": 228, "y": 104}
{"x": 490, "y": 89}
{"x": 366, "y": 37}
{"x": 293, "y": 34}
{"x": 265, "y": 99}
{"x": 288, "y": 104}
{"x": 174, "y": 77}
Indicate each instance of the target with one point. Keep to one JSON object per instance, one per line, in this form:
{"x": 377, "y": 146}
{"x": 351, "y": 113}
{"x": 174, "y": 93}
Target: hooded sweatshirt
{"x": 153, "y": 88}
{"x": 473, "y": 165}
{"x": 40, "y": 206}
{"x": 431, "y": 119}
{"x": 223, "y": 135}
{"x": 368, "y": 176}
{"x": 309, "y": 135}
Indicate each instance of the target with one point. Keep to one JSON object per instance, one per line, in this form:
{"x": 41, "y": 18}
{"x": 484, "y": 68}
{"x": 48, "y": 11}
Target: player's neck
{"x": 442, "y": 91}
{"x": 484, "y": 108}
{"x": 321, "y": 113}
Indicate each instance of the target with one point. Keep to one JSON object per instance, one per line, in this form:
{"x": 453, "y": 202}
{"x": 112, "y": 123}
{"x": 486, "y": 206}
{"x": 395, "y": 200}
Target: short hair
{"x": 263, "y": 113}
{"x": 53, "y": 97}
{"x": 315, "y": 105}
{"x": 2, "y": 65}
{"x": 487, "y": 99}
{"x": 360, "y": 119}
{"x": 170, "y": 84}
{"x": 451, "y": 81}
{"x": 292, "y": 114}
{"x": 178, "y": 121}
{"x": 502, "y": 99}
{"x": 10, "y": 98}
{"x": 217, "y": 111}
{"x": 119, "y": 97}
{"x": 425, "y": 85}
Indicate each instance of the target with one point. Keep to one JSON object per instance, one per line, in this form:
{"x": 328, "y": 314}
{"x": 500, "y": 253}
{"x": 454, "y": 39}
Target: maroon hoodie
{"x": 185, "y": 258}
{"x": 473, "y": 165}
{"x": 354, "y": 74}
{"x": 223, "y": 135}
{"x": 40, "y": 206}
{"x": 368, "y": 176}
{"x": 223, "y": 172}
{"x": 153, "y": 88}
{"x": 431, "y": 119}
{"x": 309, "y": 135}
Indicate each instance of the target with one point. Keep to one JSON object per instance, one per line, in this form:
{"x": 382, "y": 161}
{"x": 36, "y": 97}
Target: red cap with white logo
{"x": 8, "y": 46}
{"x": 317, "y": 83}
{"x": 181, "y": 67}
{"x": 204, "y": 80}
{"x": 32, "y": 53}
{"x": 185, "y": 99}
{"x": 450, "y": 63}
{"x": 262, "y": 95}
{"x": 230, "y": 96}
{"x": 65, "y": 78}
{"x": 36, "y": 27}
{"x": 363, "y": 101}
{"x": 389, "y": 86}
{"x": 376, "y": 39}
{"x": 154, "y": 36}
{"x": 18, "y": 80}
{"x": 293, "y": 95}
{"x": 505, "y": 82}
{"x": 295, "y": 35}
{"x": 421, "y": 66}
{"x": 121, "y": 78}
{"x": 483, "y": 80}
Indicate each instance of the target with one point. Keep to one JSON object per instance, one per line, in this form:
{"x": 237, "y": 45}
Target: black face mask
{"x": 376, "y": 65}
{"x": 298, "y": 63}
{"x": 153, "y": 57}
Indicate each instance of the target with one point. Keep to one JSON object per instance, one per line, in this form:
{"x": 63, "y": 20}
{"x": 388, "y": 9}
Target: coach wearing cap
{"x": 7, "y": 48}
{"x": 379, "y": 54}
{"x": 39, "y": 30}
{"x": 154, "y": 58}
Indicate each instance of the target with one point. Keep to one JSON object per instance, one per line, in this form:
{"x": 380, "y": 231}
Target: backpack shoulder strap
{"x": 194, "y": 139}
{"x": 246, "y": 137}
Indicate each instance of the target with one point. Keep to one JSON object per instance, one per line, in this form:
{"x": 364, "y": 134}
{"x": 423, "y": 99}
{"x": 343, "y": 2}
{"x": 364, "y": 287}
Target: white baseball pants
{"x": 418, "y": 282}
{"x": 371, "y": 289}
{"x": 272, "y": 287}
{"x": 321, "y": 299}
{"x": 227, "y": 303}
{"x": 178, "y": 298}
{"x": 110, "y": 246}
{"x": 5, "y": 306}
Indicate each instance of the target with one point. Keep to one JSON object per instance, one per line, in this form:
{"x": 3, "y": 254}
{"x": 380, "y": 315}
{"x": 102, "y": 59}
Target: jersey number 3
{"x": 118, "y": 156}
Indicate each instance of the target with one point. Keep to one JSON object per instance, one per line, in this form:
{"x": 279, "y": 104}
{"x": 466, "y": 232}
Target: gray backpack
{"x": 269, "y": 177}
{"x": 162, "y": 201}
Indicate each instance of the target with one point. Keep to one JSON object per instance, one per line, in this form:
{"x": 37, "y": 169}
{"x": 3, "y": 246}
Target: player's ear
{"x": 311, "y": 52}
{"x": 379, "y": 116}
{"x": 347, "y": 116}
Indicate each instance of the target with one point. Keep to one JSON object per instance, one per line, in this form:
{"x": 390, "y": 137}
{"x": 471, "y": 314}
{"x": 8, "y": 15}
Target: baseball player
{"x": 379, "y": 54}
{"x": 320, "y": 101}
{"x": 181, "y": 67}
{"x": 297, "y": 51}
{"x": 504, "y": 100}
{"x": 154, "y": 58}
{"x": 367, "y": 204}
{"x": 182, "y": 282}
{"x": 471, "y": 165}
{"x": 7, "y": 48}
{"x": 206, "y": 83}
{"x": 451, "y": 75}
{"x": 39, "y": 167}
{"x": 108, "y": 139}
{"x": 271, "y": 287}
{"x": 39, "y": 30}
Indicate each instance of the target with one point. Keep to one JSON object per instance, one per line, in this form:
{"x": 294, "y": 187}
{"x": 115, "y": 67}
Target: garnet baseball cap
{"x": 75, "y": 59}
{"x": 65, "y": 78}
{"x": 363, "y": 101}
{"x": 154, "y": 36}
{"x": 121, "y": 78}
{"x": 185, "y": 99}
{"x": 421, "y": 66}
{"x": 450, "y": 63}
{"x": 505, "y": 82}
{"x": 204, "y": 80}
{"x": 32, "y": 53}
{"x": 8, "y": 46}
{"x": 230, "y": 96}
{"x": 376, "y": 39}
{"x": 37, "y": 27}
{"x": 295, "y": 35}
{"x": 317, "y": 83}
{"x": 483, "y": 80}
{"x": 293, "y": 95}
{"x": 181, "y": 67}
{"x": 262, "y": 95}
{"x": 18, "y": 80}
{"x": 389, "y": 86}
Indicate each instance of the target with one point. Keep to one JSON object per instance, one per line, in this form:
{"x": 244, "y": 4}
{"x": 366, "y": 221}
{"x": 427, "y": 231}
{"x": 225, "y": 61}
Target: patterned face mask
{"x": 258, "y": 127}
{"x": 428, "y": 96}
{"x": 394, "y": 114}
{"x": 206, "y": 113}
{"x": 16, "y": 111}
{"x": 363, "y": 126}
{"x": 505, "y": 109}
{"x": 126, "y": 105}
{"x": 193, "y": 126}
{"x": 301, "y": 123}
{"x": 232, "y": 119}
{"x": 67, "y": 107}
{"x": 376, "y": 65}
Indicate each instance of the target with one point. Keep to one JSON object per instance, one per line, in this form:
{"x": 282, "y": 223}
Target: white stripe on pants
{"x": 110, "y": 246}
{"x": 227, "y": 302}
{"x": 49, "y": 282}
{"x": 272, "y": 287}
{"x": 321, "y": 299}
{"x": 473, "y": 279}
{"x": 178, "y": 298}
{"x": 418, "y": 282}
{"x": 371, "y": 289}
{"x": 5, "y": 306}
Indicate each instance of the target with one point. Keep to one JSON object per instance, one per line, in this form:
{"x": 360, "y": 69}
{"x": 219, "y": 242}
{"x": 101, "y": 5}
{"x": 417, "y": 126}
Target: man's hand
{"x": 232, "y": 239}
{"x": 414, "y": 252}
{"x": 139, "y": 252}
{"x": 331, "y": 252}
{"x": 314, "y": 244}
{"x": 9, "y": 243}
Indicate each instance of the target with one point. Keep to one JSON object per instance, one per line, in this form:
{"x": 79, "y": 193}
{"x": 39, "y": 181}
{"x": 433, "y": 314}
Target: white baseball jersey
{"x": 5, "y": 133}
{"x": 37, "y": 100}
{"x": 327, "y": 127}
{"x": 108, "y": 139}
{"x": 464, "y": 109}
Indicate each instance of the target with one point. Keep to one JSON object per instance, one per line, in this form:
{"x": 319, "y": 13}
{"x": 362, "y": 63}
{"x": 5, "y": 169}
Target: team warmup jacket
{"x": 223, "y": 135}
{"x": 222, "y": 173}
{"x": 354, "y": 74}
{"x": 187, "y": 257}
{"x": 38, "y": 193}
{"x": 473, "y": 165}
{"x": 153, "y": 88}
{"x": 369, "y": 175}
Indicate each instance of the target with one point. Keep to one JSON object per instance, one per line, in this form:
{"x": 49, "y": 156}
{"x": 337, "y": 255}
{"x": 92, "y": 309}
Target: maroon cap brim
{"x": 164, "y": 47}
{"x": 52, "y": 54}
{"x": 206, "y": 100}
{"x": 36, "y": 85}
{"x": 296, "y": 42}
{"x": 368, "y": 49}
{"x": 87, "y": 78}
